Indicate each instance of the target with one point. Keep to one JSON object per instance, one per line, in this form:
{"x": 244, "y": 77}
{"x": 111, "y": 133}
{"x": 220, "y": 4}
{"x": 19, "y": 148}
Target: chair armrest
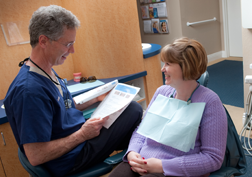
{"x": 32, "y": 170}
{"x": 115, "y": 159}
{"x": 97, "y": 170}
{"x": 225, "y": 172}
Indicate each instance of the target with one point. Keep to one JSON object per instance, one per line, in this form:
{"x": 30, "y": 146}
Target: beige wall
{"x": 101, "y": 42}
{"x": 221, "y": 25}
{"x": 247, "y": 59}
{"x": 208, "y": 34}
{"x": 174, "y": 24}
{"x": 14, "y": 11}
{"x": 108, "y": 43}
{"x": 182, "y": 11}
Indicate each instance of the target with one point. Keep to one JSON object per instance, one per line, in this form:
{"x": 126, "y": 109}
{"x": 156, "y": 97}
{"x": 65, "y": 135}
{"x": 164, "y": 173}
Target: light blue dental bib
{"x": 172, "y": 122}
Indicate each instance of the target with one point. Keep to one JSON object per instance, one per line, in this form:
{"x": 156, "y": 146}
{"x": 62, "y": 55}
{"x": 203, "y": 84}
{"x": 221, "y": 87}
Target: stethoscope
{"x": 67, "y": 101}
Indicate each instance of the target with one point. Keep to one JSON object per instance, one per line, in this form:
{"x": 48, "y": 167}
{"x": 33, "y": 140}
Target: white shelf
{"x": 15, "y": 33}
{"x": 139, "y": 83}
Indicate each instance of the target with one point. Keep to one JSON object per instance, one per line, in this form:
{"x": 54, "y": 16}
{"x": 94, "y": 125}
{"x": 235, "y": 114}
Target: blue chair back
{"x": 203, "y": 80}
{"x": 34, "y": 171}
{"x": 234, "y": 162}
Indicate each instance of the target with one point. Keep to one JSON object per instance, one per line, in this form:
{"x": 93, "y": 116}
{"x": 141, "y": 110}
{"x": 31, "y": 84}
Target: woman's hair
{"x": 189, "y": 54}
{"x": 51, "y": 21}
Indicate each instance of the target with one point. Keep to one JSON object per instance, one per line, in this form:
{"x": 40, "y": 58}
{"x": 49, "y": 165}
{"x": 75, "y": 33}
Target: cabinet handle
{"x": 3, "y": 138}
{"x": 3, "y": 165}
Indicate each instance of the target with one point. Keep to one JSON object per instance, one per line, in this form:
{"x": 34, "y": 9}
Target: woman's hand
{"x": 153, "y": 165}
{"x": 136, "y": 162}
{"x": 133, "y": 155}
{"x": 143, "y": 166}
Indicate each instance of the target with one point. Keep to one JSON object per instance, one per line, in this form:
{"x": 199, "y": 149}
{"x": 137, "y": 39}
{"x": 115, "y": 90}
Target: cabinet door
{"x": 9, "y": 153}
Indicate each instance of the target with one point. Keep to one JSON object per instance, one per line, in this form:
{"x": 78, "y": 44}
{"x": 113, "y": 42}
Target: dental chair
{"x": 234, "y": 163}
{"x": 95, "y": 171}
{"x": 203, "y": 80}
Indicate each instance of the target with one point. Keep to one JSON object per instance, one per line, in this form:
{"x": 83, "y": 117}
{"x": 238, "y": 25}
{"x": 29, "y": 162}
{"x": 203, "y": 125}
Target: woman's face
{"x": 173, "y": 74}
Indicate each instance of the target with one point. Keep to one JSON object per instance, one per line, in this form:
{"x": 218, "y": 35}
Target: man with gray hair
{"x": 48, "y": 125}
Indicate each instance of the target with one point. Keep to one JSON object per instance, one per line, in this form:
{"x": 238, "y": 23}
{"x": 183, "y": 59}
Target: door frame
{"x": 226, "y": 52}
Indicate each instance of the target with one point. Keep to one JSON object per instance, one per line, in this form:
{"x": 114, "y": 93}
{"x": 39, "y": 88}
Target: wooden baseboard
{"x": 228, "y": 58}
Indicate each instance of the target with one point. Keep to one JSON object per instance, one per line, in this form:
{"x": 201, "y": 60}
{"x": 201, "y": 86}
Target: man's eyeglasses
{"x": 70, "y": 44}
{"x": 87, "y": 79}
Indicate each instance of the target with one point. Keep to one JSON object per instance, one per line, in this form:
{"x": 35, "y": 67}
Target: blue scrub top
{"x": 36, "y": 112}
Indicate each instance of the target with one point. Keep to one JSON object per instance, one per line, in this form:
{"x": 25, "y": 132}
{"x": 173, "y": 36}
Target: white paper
{"x": 169, "y": 119}
{"x": 161, "y": 9}
{"x": 82, "y": 98}
{"x": 80, "y": 86}
{"x": 147, "y": 26}
{"x": 147, "y": 1}
{"x": 163, "y": 27}
{"x": 14, "y": 33}
{"x": 145, "y": 12}
{"x": 115, "y": 103}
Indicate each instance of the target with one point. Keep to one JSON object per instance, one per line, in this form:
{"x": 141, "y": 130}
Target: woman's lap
{"x": 123, "y": 170}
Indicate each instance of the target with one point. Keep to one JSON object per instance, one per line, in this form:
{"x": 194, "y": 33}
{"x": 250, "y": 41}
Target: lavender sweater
{"x": 208, "y": 153}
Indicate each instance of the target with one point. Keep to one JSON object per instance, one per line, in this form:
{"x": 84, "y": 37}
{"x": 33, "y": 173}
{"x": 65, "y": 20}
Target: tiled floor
{"x": 236, "y": 114}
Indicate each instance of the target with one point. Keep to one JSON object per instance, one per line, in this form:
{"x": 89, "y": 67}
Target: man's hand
{"x": 39, "y": 153}
{"x": 83, "y": 106}
{"x": 101, "y": 97}
{"x": 91, "y": 128}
